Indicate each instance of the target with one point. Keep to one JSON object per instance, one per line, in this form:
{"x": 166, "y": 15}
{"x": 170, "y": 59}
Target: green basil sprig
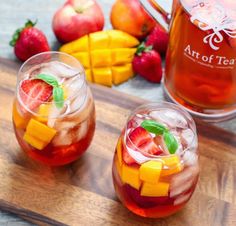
{"x": 58, "y": 93}
{"x": 159, "y": 129}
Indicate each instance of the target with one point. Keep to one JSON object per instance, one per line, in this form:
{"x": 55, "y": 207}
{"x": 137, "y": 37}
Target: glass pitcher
{"x": 200, "y": 71}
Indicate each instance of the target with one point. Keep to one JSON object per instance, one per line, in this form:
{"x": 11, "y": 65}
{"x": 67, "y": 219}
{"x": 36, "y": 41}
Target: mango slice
{"x": 88, "y": 75}
{"x": 130, "y": 175}
{"x": 150, "y": 171}
{"x": 155, "y": 190}
{"x": 19, "y": 121}
{"x": 118, "y": 167}
{"x": 119, "y": 151}
{"x": 102, "y": 76}
{"x": 122, "y": 55}
{"x": 99, "y": 40}
{"x": 101, "y": 58}
{"x": 171, "y": 165}
{"x": 122, "y": 73}
{"x": 79, "y": 45}
{"x": 38, "y": 144}
{"x": 38, "y": 134}
{"x": 43, "y": 112}
{"x": 83, "y": 58}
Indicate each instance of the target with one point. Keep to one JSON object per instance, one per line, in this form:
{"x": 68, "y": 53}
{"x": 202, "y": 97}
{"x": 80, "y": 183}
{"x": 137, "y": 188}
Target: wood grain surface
{"x": 82, "y": 193}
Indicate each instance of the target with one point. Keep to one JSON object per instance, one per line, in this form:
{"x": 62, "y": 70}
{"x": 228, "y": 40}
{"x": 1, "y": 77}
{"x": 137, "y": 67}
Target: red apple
{"x": 77, "y": 18}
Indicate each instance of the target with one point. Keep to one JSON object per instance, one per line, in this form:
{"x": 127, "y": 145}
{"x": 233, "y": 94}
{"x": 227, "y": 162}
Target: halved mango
{"x": 79, "y": 45}
{"x": 19, "y": 121}
{"x": 150, "y": 171}
{"x": 101, "y": 58}
{"x": 40, "y": 131}
{"x": 102, "y": 76}
{"x": 99, "y": 40}
{"x": 36, "y": 143}
{"x": 83, "y": 58}
{"x": 122, "y": 73}
{"x": 130, "y": 175}
{"x": 155, "y": 190}
{"x": 122, "y": 55}
{"x": 171, "y": 165}
{"x": 88, "y": 75}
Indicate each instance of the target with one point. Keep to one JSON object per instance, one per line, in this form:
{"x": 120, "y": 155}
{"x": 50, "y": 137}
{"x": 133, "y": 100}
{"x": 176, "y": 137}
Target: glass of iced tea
{"x": 201, "y": 58}
{"x": 155, "y": 167}
{"x": 53, "y": 111}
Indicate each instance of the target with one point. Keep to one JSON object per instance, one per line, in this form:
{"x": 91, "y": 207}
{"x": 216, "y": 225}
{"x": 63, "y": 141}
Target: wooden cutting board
{"x": 82, "y": 193}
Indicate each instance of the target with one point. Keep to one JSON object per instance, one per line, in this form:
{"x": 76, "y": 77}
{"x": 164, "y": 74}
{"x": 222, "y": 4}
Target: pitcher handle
{"x": 152, "y": 7}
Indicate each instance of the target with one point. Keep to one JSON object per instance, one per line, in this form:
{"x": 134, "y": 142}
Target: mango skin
{"x": 106, "y": 54}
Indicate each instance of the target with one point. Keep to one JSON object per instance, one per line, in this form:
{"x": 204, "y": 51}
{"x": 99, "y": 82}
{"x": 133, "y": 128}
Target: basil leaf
{"x": 48, "y": 79}
{"x": 170, "y": 142}
{"x": 153, "y": 127}
{"x": 58, "y": 96}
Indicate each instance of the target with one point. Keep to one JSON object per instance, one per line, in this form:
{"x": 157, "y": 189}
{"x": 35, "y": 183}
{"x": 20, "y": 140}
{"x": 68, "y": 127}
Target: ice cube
{"x": 75, "y": 86}
{"x": 177, "y": 190}
{"x": 187, "y": 136}
{"x": 182, "y": 198}
{"x": 188, "y": 174}
{"x": 64, "y": 124}
{"x": 63, "y": 137}
{"x": 81, "y": 131}
{"x": 190, "y": 158}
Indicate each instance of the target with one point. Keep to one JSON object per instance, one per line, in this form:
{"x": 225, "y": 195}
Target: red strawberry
{"x": 33, "y": 92}
{"x": 28, "y": 41}
{"x": 143, "y": 140}
{"x": 147, "y": 63}
{"x": 158, "y": 38}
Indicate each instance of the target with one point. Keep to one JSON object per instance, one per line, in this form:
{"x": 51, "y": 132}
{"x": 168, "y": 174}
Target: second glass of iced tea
{"x": 155, "y": 166}
{"x": 53, "y": 111}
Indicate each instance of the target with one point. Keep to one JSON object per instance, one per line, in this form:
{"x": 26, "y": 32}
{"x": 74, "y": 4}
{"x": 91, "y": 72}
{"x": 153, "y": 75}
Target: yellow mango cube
{"x": 102, "y": 76}
{"x": 98, "y": 40}
{"x": 83, "y": 58}
{"x": 155, "y": 190}
{"x": 150, "y": 171}
{"x": 43, "y": 113}
{"x": 130, "y": 175}
{"x": 122, "y": 73}
{"x": 118, "y": 167}
{"x": 88, "y": 75}
{"x": 36, "y": 143}
{"x": 122, "y": 55}
{"x": 119, "y": 151}
{"x": 171, "y": 165}
{"x": 19, "y": 121}
{"x": 40, "y": 131}
{"x": 101, "y": 58}
{"x": 120, "y": 39}
{"x": 79, "y": 45}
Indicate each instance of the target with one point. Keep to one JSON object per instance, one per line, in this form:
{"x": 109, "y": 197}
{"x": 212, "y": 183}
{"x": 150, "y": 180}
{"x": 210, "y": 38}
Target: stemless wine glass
{"x": 155, "y": 166}
{"x": 53, "y": 111}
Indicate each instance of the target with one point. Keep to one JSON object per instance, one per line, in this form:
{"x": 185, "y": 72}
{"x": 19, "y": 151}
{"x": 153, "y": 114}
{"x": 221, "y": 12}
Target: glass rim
{"x": 19, "y": 81}
{"x": 163, "y": 105}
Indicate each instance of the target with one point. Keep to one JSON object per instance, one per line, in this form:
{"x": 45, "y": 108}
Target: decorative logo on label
{"x": 209, "y": 16}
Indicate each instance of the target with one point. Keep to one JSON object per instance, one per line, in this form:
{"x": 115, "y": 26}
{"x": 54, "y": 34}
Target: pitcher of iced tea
{"x": 200, "y": 71}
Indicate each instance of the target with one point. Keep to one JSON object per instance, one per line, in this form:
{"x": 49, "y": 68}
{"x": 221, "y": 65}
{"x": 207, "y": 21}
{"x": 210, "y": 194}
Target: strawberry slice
{"x": 144, "y": 142}
{"x": 33, "y": 92}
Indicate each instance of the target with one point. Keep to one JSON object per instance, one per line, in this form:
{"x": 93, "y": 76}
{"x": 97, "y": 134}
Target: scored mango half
{"x": 105, "y": 55}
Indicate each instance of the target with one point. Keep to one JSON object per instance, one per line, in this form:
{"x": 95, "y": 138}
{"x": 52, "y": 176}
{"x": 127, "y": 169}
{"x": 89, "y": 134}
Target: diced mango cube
{"x": 150, "y": 171}
{"x": 98, "y": 40}
{"x": 43, "y": 112}
{"x": 102, "y": 76}
{"x": 88, "y": 75}
{"x": 155, "y": 190}
{"x": 83, "y": 58}
{"x": 118, "y": 166}
{"x": 101, "y": 58}
{"x": 79, "y": 45}
{"x": 119, "y": 151}
{"x": 171, "y": 165}
{"x": 36, "y": 143}
{"x": 19, "y": 121}
{"x": 40, "y": 131}
{"x": 130, "y": 175}
{"x": 122, "y": 55}
{"x": 121, "y": 74}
